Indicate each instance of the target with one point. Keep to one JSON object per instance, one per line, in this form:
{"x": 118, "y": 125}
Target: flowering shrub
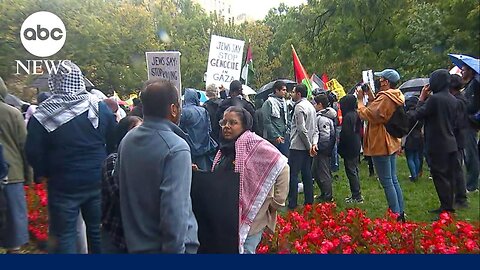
{"x": 320, "y": 229}
{"x": 36, "y": 196}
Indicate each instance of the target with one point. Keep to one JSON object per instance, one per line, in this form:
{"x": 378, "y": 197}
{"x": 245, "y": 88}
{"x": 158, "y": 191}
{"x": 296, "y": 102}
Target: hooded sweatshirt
{"x": 349, "y": 144}
{"x": 378, "y": 142}
{"x": 439, "y": 113}
{"x": 12, "y": 136}
{"x": 195, "y": 121}
{"x": 326, "y": 131}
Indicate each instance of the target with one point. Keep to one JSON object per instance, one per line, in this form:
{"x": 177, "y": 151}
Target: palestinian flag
{"x": 301, "y": 75}
{"x": 247, "y": 70}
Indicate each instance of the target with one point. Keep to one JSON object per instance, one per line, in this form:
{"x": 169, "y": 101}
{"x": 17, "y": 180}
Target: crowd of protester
{"x": 127, "y": 177}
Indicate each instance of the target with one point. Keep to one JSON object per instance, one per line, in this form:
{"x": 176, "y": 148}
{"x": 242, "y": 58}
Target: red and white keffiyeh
{"x": 259, "y": 164}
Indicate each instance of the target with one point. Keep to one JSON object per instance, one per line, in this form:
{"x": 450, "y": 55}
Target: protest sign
{"x": 334, "y": 86}
{"x": 224, "y": 61}
{"x": 165, "y": 65}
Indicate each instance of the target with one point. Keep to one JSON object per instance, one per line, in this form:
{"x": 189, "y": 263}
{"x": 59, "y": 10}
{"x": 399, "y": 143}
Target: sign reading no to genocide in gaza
{"x": 224, "y": 61}
{"x": 165, "y": 65}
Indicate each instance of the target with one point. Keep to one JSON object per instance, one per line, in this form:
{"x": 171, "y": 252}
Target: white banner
{"x": 165, "y": 65}
{"x": 224, "y": 61}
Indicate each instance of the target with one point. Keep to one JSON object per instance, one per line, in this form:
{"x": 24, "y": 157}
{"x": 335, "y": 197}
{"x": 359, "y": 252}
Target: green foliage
{"x": 108, "y": 39}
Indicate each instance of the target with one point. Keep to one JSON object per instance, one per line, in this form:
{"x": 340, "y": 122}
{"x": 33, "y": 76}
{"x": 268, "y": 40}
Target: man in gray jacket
{"x": 302, "y": 136}
{"x": 276, "y": 118}
{"x": 155, "y": 173}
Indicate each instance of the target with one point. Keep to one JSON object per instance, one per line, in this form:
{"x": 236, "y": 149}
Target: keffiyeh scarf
{"x": 69, "y": 99}
{"x": 259, "y": 164}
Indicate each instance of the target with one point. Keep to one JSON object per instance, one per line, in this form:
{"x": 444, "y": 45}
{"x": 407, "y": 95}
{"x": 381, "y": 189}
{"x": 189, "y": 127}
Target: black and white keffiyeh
{"x": 69, "y": 99}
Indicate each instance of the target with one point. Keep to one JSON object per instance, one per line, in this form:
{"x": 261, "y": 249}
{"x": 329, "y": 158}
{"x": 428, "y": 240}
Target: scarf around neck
{"x": 259, "y": 164}
{"x": 69, "y": 99}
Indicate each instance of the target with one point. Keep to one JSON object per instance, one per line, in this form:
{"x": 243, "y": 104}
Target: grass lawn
{"x": 419, "y": 197}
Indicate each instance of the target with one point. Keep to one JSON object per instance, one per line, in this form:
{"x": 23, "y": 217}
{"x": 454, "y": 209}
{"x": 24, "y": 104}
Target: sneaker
{"x": 353, "y": 200}
{"x": 472, "y": 191}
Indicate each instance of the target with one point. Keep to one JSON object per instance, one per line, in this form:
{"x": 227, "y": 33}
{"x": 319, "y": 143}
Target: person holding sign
{"x": 264, "y": 176}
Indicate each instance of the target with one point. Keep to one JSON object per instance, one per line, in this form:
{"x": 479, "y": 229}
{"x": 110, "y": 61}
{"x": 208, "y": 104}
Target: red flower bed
{"x": 320, "y": 229}
{"x": 36, "y": 196}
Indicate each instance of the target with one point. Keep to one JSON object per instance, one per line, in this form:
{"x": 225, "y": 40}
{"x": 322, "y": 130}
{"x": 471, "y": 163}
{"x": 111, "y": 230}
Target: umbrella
{"x": 265, "y": 90}
{"x": 42, "y": 82}
{"x": 14, "y": 101}
{"x": 460, "y": 60}
{"x": 247, "y": 90}
{"x": 414, "y": 85}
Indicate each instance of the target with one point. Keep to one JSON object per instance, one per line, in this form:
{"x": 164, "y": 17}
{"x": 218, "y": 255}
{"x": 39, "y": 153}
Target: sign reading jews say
{"x": 165, "y": 65}
{"x": 224, "y": 60}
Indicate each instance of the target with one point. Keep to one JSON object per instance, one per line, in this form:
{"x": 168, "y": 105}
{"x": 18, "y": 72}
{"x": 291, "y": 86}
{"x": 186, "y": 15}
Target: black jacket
{"x": 350, "y": 142}
{"x": 239, "y": 102}
{"x": 462, "y": 122}
{"x": 212, "y": 106}
{"x": 414, "y": 140}
{"x": 439, "y": 113}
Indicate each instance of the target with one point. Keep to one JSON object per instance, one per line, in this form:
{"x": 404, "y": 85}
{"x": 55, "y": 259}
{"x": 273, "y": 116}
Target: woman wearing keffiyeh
{"x": 264, "y": 176}
{"x": 68, "y": 138}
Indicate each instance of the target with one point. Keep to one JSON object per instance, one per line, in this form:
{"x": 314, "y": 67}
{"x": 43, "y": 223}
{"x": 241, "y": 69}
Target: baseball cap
{"x": 390, "y": 74}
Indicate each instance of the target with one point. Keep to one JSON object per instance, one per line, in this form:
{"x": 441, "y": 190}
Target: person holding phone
{"x": 439, "y": 112}
{"x": 378, "y": 143}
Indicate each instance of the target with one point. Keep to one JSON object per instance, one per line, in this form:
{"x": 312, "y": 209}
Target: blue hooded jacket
{"x": 196, "y": 123}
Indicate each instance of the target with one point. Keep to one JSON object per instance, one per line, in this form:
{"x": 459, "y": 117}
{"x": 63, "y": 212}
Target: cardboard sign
{"x": 336, "y": 88}
{"x": 224, "y": 61}
{"x": 165, "y": 65}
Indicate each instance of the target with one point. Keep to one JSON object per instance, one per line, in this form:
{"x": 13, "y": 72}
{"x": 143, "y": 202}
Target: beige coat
{"x": 267, "y": 215}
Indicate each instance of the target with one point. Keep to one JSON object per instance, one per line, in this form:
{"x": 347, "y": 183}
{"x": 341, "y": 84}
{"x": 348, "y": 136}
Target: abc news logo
{"x": 43, "y": 34}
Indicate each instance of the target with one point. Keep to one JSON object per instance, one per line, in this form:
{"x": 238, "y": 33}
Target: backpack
{"x": 398, "y": 125}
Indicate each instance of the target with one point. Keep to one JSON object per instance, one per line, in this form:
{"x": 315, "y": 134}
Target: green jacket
{"x": 13, "y": 134}
{"x": 274, "y": 127}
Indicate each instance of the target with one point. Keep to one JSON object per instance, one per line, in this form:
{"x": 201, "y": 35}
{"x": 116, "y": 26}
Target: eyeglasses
{"x": 230, "y": 123}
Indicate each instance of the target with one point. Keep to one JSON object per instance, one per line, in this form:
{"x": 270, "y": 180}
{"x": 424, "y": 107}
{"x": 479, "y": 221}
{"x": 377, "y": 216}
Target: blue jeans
{"x": 300, "y": 161}
{"x": 386, "y": 167}
{"x": 64, "y": 209}
{"x": 251, "y": 243}
{"x": 15, "y": 232}
{"x": 471, "y": 160}
{"x": 413, "y": 162}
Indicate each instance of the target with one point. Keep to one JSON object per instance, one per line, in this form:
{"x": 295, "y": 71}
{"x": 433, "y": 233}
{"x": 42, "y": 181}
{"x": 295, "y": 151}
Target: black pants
{"x": 300, "y": 161}
{"x": 460, "y": 185}
{"x": 323, "y": 176}
{"x": 351, "y": 169}
{"x": 443, "y": 167}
